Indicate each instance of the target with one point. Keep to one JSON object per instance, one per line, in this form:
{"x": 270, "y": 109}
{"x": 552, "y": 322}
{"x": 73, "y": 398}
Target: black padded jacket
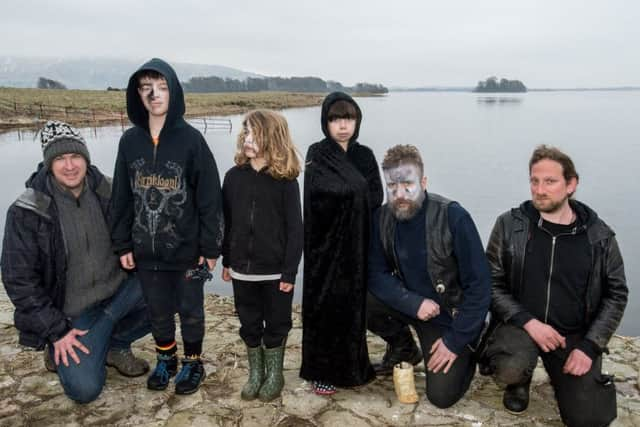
{"x": 34, "y": 259}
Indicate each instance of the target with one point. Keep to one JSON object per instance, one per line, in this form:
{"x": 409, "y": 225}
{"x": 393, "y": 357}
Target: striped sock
{"x": 166, "y": 348}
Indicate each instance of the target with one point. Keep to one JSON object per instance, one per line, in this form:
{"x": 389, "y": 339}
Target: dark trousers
{"x": 587, "y": 400}
{"x": 171, "y": 292}
{"x": 264, "y": 312}
{"x": 443, "y": 390}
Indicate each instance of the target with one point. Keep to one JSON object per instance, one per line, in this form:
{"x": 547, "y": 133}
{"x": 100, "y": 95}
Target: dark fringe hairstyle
{"x": 342, "y": 110}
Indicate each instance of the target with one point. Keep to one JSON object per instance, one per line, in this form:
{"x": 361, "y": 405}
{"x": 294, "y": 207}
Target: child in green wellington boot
{"x": 263, "y": 244}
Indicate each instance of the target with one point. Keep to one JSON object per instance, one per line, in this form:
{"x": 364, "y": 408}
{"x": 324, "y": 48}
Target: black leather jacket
{"x": 606, "y": 296}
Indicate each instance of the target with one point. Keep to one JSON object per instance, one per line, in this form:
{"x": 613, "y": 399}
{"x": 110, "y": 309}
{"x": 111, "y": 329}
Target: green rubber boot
{"x": 272, "y": 386}
{"x": 256, "y": 373}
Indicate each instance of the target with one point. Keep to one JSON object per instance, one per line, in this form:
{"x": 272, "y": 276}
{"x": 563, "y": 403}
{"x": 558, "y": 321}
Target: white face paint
{"x": 403, "y": 182}
{"x": 405, "y": 192}
{"x": 250, "y": 147}
{"x": 155, "y": 95}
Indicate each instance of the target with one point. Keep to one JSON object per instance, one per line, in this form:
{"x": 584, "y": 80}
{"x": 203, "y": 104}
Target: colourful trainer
{"x": 190, "y": 377}
{"x": 166, "y": 367}
{"x": 323, "y": 388}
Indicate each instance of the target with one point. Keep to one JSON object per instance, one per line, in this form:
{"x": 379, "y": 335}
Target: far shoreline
{"x": 22, "y": 108}
{"x": 470, "y": 89}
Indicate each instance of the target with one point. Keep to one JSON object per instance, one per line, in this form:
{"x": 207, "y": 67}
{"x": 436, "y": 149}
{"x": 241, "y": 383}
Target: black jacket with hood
{"x": 263, "y": 223}
{"x": 340, "y": 191}
{"x": 606, "y": 293}
{"x": 167, "y": 201}
{"x": 34, "y": 258}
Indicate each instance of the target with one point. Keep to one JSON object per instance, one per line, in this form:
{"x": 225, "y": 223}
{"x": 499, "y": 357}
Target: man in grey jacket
{"x": 558, "y": 291}
{"x": 72, "y": 299}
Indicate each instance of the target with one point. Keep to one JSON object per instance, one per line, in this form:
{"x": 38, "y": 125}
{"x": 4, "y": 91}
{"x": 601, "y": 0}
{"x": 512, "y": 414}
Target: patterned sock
{"x": 192, "y": 350}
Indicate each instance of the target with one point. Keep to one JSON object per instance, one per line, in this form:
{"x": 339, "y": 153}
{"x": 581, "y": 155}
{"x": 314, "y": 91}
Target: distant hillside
{"x": 277, "y": 84}
{"x": 98, "y": 73}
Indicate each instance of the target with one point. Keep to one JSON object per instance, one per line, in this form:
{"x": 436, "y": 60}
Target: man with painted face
{"x": 167, "y": 218}
{"x": 559, "y": 293}
{"x": 427, "y": 269}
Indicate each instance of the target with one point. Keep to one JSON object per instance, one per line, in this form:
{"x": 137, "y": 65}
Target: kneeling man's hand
{"x": 545, "y": 336}
{"x": 577, "y": 363}
{"x": 64, "y": 347}
{"x": 441, "y": 357}
{"x": 428, "y": 309}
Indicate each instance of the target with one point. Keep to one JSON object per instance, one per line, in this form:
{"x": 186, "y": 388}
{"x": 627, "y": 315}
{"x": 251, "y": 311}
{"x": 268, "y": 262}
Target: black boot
{"x": 400, "y": 348}
{"x": 516, "y": 397}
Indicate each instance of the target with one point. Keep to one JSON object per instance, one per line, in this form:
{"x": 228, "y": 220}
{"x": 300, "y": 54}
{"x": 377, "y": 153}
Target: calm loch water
{"x": 475, "y": 148}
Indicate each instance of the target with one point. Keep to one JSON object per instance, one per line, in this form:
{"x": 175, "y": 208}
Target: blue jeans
{"x": 113, "y": 323}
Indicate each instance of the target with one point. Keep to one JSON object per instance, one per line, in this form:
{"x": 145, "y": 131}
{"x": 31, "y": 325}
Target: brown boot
{"x": 126, "y": 363}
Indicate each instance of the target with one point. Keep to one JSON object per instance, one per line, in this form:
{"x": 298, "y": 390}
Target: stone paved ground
{"x": 30, "y": 396}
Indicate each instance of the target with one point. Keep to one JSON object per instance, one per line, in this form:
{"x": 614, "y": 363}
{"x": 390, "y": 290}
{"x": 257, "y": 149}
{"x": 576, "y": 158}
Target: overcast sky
{"x": 559, "y": 43}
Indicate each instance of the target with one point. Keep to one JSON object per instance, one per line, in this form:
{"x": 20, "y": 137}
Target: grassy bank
{"x": 31, "y": 107}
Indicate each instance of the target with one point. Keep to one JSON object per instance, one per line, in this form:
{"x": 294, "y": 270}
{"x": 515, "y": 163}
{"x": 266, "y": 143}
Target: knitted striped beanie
{"x": 58, "y": 138}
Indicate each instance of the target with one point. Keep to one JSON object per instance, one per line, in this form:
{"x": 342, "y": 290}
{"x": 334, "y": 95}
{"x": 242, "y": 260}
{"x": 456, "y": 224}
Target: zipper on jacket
{"x": 553, "y": 251}
{"x": 251, "y": 216}
{"x": 155, "y": 152}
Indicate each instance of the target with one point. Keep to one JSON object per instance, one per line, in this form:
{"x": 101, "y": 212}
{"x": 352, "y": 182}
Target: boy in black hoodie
{"x": 167, "y": 217}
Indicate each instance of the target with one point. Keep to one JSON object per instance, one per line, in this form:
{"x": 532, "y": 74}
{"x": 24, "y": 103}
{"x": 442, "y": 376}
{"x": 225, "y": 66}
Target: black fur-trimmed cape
{"x": 340, "y": 190}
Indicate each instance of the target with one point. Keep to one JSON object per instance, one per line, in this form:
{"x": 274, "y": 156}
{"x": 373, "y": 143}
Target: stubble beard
{"x": 411, "y": 209}
{"x": 548, "y": 206}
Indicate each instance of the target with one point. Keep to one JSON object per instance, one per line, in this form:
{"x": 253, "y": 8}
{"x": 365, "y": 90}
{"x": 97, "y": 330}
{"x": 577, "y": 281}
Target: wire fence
{"x": 41, "y": 112}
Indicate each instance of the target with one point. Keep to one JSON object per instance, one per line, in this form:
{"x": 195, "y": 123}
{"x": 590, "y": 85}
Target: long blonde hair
{"x": 271, "y": 134}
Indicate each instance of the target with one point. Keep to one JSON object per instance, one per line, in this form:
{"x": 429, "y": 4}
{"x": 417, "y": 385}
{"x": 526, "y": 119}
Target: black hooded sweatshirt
{"x": 166, "y": 204}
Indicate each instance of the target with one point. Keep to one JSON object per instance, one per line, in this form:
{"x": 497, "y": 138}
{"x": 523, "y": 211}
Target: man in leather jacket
{"x": 558, "y": 292}
{"x": 71, "y": 297}
{"x": 427, "y": 269}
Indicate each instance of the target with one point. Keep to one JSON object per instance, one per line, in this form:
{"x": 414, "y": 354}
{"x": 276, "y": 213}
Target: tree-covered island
{"x": 492, "y": 84}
